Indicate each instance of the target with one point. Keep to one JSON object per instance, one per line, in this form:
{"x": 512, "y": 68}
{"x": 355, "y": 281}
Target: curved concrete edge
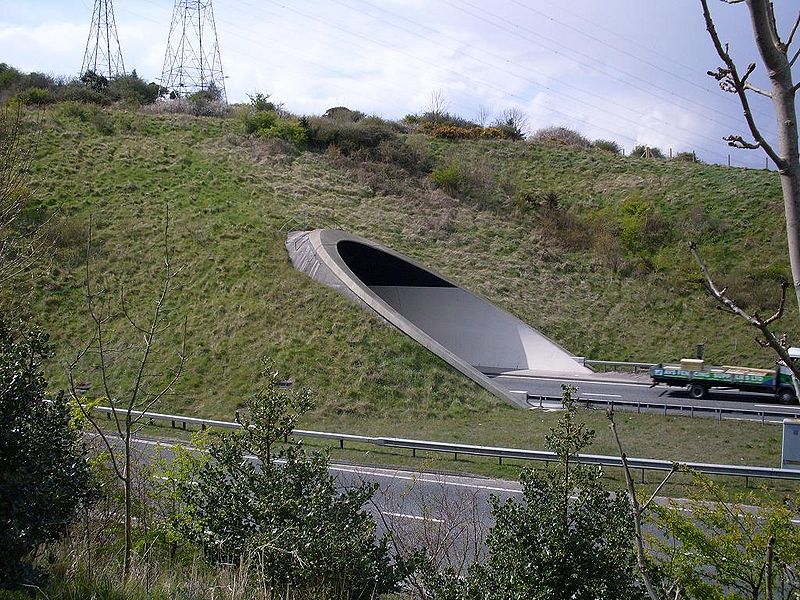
{"x": 337, "y": 274}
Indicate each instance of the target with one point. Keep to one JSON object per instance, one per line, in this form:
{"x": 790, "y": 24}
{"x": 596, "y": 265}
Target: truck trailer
{"x": 698, "y": 378}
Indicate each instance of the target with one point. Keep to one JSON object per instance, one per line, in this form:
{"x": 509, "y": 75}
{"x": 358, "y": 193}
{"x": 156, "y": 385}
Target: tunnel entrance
{"x": 375, "y": 267}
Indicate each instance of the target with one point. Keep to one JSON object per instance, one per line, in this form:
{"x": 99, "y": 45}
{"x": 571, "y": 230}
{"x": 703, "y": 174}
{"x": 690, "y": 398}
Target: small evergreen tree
{"x": 570, "y": 539}
{"x": 274, "y": 506}
{"x": 44, "y": 474}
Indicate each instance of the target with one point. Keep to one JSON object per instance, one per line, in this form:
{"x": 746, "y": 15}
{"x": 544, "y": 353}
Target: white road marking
{"x": 415, "y": 517}
{"x": 421, "y": 479}
{"x": 570, "y": 381}
{"x": 603, "y": 395}
{"x": 518, "y": 391}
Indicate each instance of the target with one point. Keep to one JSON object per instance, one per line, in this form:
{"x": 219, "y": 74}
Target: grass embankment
{"x": 586, "y": 246}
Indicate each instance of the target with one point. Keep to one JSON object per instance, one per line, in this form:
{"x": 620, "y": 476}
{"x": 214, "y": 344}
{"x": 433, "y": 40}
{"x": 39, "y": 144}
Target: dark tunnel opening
{"x": 378, "y": 268}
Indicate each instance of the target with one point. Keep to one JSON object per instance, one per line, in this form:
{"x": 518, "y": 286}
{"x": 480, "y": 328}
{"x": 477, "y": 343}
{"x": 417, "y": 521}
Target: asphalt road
{"x": 633, "y": 388}
{"x": 448, "y": 514}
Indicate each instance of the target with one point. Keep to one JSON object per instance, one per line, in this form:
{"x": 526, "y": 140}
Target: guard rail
{"x": 644, "y": 464}
{"x": 538, "y": 401}
{"x": 609, "y": 365}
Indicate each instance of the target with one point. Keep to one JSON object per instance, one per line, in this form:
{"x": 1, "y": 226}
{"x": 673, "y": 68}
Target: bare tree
{"x": 483, "y": 115}
{"x": 639, "y": 509}
{"x": 515, "y": 120}
{"x": 775, "y": 55}
{"x": 127, "y": 401}
{"x": 437, "y": 104}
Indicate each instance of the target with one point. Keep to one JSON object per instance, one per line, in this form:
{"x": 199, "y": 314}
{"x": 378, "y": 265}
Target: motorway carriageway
{"x": 628, "y": 387}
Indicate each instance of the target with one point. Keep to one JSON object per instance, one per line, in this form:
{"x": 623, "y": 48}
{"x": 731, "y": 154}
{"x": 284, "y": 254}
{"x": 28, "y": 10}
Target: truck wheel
{"x": 787, "y": 397}
{"x": 697, "y": 391}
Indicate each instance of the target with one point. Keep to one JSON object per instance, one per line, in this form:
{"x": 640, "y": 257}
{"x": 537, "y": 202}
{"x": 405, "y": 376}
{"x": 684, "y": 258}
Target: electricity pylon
{"x": 192, "y": 61}
{"x": 103, "y": 54}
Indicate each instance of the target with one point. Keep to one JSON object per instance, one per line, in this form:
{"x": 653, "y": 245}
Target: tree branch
{"x": 736, "y": 85}
{"x": 762, "y": 325}
{"x": 738, "y": 141}
{"x": 794, "y": 30}
{"x": 635, "y": 509}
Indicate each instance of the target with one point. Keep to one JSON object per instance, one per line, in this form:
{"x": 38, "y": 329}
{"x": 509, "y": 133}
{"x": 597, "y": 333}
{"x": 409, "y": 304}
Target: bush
{"x": 570, "y": 538}
{"x": 256, "y": 121}
{"x": 133, "y": 89}
{"x": 286, "y": 129}
{"x": 642, "y": 226}
{"x": 448, "y": 178}
{"x": 199, "y": 107}
{"x": 261, "y": 102}
{"x": 560, "y": 136}
{"x": 473, "y": 132}
{"x": 439, "y": 118}
{"x": 466, "y": 178}
{"x": 343, "y": 114}
{"x": 289, "y": 519}
{"x": 35, "y": 96}
{"x": 77, "y": 92}
{"x": 686, "y": 157}
{"x": 642, "y": 151}
{"x": 607, "y": 146}
{"x": 363, "y": 137}
{"x": 44, "y": 475}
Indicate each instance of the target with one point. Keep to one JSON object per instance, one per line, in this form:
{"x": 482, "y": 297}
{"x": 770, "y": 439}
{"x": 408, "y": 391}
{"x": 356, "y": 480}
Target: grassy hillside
{"x": 587, "y": 246}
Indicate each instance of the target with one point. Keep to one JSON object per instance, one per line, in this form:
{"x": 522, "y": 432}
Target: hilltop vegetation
{"x": 584, "y": 244}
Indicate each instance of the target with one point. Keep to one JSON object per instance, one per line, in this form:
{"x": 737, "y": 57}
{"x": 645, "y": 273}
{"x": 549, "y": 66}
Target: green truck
{"x": 698, "y": 378}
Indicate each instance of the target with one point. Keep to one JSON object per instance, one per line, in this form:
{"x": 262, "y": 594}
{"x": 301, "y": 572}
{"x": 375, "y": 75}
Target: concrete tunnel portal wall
{"x": 462, "y": 328}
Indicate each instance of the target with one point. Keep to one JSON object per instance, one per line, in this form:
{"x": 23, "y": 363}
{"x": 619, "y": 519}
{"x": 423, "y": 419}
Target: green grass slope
{"x": 587, "y": 246}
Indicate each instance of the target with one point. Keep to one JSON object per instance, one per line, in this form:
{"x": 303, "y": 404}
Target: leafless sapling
{"x": 127, "y": 399}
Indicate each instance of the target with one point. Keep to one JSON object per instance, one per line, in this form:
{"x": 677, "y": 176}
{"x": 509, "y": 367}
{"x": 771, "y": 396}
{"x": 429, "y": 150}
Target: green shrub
{"x": 94, "y": 81}
{"x": 365, "y": 136}
{"x": 343, "y": 114}
{"x": 285, "y": 129}
{"x": 642, "y": 151}
{"x": 133, "y": 89}
{"x": 642, "y": 226}
{"x": 35, "y": 96}
{"x": 448, "y": 178}
{"x": 261, "y": 103}
{"x": 256, "y": 121}
{"x": 686, "y": 157}
{"x": 412, "y": 158}
{"x": 44, "y": 474}
{"x": 73, "y": 110}
{"x": 291, "y": 518}
{"x": 466, "y": 178}
{"x": 77, "y": 92}
{"x": 102, "y": 121}
{"x": 607, "y": 146}
{"x": 563, "y": 136}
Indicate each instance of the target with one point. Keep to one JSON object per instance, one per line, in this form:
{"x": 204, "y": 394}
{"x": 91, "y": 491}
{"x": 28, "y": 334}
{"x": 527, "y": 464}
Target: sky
{"x": 632, "y": 71}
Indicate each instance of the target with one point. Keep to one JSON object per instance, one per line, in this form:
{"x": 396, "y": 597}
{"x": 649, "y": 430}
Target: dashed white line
{"x": 603, "y": 395}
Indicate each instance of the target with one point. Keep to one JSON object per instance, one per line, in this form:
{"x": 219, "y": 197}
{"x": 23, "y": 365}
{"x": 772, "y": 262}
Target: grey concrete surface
{"x": 461, "y": 327}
